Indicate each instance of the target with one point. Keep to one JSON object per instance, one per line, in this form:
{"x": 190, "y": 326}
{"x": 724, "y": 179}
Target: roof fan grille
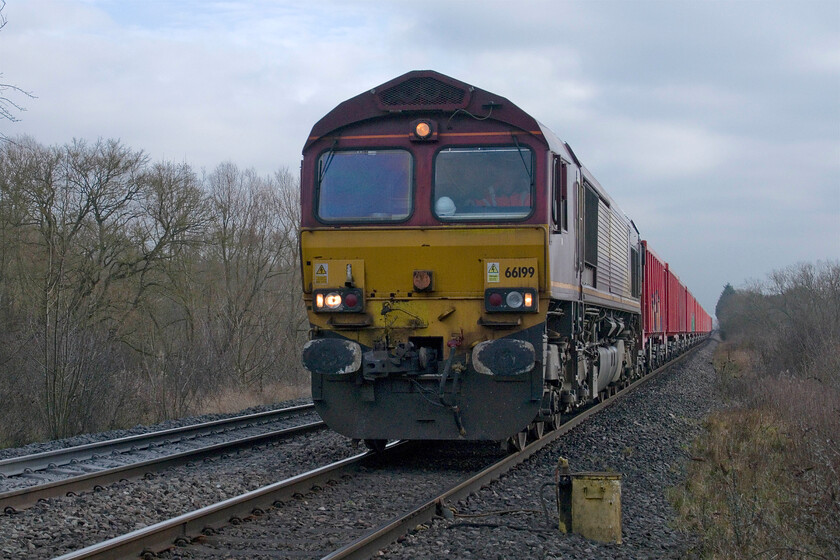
{"x": 422, "y": 92}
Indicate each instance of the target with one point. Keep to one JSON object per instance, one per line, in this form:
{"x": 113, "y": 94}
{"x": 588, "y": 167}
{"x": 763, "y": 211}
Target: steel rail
{"x": 15, "y": 500}
{"x": 48, "y": 459}
{"x": 375, "y": 540}
{"x": 161, "y": 536}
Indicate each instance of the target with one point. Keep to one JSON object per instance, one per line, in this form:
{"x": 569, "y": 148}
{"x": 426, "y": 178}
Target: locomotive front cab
{"x": 424, "y": 264}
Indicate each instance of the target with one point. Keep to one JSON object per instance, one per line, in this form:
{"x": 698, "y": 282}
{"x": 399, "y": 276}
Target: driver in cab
{"x": 505, "y": 190}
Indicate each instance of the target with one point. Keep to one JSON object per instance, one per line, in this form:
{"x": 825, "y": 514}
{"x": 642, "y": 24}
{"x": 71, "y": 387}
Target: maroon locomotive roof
{"x": 422, "y": 91}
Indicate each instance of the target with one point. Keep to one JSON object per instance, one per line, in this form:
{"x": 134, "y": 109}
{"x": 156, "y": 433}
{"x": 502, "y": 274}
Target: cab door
{"x": 563, "y": 249}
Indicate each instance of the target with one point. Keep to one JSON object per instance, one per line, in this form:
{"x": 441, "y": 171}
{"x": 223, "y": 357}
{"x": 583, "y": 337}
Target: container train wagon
{"x": 672, "y": 318}
{"x": 465, "y": 276}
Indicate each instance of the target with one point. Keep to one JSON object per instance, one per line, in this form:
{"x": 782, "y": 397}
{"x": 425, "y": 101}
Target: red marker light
{"x": 351, "y": 300}
{"x": 495, "y": 299}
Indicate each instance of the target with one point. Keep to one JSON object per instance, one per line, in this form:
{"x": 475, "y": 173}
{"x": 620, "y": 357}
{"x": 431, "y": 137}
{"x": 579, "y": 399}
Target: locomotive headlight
{"x": 529, "y": 299}
{"x": 338, "y": 300}
{"x": 514, "y": 300}
{"x": 422, "y": 130}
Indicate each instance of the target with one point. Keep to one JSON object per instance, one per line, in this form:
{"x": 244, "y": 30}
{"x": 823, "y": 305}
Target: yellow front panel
{"x": 390, "y": 256}
{"x": 457, "y": 259}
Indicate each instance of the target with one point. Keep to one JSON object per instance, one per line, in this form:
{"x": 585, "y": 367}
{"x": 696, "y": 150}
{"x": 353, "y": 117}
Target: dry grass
{"x": 763, "y": 482}
{"x": 235, "y": 399}
{"x": 731, "y": 361}
{"x": 734, "y": 367}
{"x": 734, "y": 490}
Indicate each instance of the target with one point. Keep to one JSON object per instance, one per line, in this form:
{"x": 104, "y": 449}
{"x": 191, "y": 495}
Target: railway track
{"x": 198, "y": 527}
{"x": 368, "y": 544}
{"x": 74, "y": 469}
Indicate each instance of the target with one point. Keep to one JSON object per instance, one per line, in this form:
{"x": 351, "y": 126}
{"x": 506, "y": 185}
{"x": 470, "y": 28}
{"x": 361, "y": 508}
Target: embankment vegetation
{"x": 134, "y": 291}
{"x": 764, "y": 481}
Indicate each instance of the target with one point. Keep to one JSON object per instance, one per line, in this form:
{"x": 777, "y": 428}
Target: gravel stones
{"x": 643, "y": 437}
{"x": 61, "y": 525}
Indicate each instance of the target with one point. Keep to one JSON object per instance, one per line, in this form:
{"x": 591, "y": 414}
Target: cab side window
{"x": 590, "y": 226}
{"x": 560, "y": 198}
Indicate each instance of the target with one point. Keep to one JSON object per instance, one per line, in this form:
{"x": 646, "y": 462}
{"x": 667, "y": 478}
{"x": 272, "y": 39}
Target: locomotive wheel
{"x": 376, "y": 445}
{"x": 536, "y": 430}
{"x": 518, "y": 441}
{"x": 554, "y": 421}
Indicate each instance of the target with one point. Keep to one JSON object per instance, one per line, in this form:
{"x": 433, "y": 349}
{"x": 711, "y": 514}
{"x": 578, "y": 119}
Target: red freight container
{"x": 690, "y": 308}
{"x": 695, "y": 318}
{"x": 675, "y": 303}
{"x": 699, "y": 319}
{"x": 668, "y": 308}
{"x": 706, "y": 320}
{"x": 653, "y": 296}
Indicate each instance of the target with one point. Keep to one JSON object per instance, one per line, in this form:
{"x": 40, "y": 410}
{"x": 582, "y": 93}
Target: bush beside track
{"x": 765, "y": 479}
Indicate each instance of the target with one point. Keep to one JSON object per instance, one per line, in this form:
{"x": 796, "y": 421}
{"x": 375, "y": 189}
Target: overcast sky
{"x": 714, "y": 125}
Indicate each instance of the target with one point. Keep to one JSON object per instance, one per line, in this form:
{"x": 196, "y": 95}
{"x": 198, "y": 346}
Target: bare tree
{"x": 165, "y": 333}
{"x": 132, "y": 291}
{"x": 248, "y": 249}
{"x": 295, "y": 324}
{"x": 96, "y": 227}
{"x": 80, "y": 199}
{"x": 8, "y": 107}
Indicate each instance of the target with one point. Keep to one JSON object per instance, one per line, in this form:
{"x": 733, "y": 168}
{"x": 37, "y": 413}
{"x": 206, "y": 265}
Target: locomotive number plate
{"x": 522, "y": 273}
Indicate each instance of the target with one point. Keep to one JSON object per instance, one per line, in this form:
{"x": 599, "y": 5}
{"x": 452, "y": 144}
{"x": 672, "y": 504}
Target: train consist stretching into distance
{"x": 465, "y": 276}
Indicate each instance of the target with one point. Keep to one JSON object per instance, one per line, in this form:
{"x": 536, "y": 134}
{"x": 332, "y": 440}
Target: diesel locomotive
{"x": 465, "y": 276}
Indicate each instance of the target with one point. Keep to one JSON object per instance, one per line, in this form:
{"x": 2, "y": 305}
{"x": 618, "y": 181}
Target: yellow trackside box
{"x": 596, "y": 506}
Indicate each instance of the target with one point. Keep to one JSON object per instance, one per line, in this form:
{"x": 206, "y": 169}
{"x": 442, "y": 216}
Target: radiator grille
{"x": 422, "y": 92}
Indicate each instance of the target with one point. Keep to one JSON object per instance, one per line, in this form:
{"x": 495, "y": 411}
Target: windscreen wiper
{"x": 522, "y": 157}
{"x": 326, "y": 165}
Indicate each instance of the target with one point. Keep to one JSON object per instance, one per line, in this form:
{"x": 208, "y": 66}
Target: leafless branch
{"x": 8, "y": 107}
